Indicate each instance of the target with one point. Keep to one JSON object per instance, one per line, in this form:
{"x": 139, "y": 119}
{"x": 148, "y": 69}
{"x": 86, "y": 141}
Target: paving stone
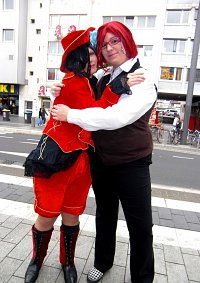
{"x": 3, "y": 218}
{"x": 7, "y": 267}
{"x": 177, "y": 211}
{"x": 17, "y": 233}
{"x": 121, "y": 254}
{"x": 4, "y": 231}
{"x": 160, "y": 266}
{"x": 164, "y": 213}
{"x": 167, "y": 223}
{"x": 156, "y": 219}
{"x": 22, "y": 250}
{"x": 160, "y": 278}
{"x": 189, "y": 251}
{"x": 12, "y": 222}
{"x": 176, "y": 273}
{"x": 180, "y": 221}
{"x": 194, "y": 227}
{"x": 115, "y": 274}
{"x": 191, "y": 217}
{"x": 192, "y": 264}
{"x": 5, "y": 249}
{"x": 173, "y": 254}
{"x": 84, "y": 246}
{"x": 15, "y": 279}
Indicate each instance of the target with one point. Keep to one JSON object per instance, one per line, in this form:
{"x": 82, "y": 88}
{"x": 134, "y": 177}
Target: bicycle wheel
{"x": 160, "y": 135}
{"x": 176, "y": 138}
{"x": 170, "y": 137}
{"x": 154, "y": 133}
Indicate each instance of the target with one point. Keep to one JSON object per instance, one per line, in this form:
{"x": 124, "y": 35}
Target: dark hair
{"x": 77, "y": 59}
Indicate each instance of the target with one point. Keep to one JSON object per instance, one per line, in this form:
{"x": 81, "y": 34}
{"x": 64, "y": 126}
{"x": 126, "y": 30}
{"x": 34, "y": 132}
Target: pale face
{"x": 113, "y": 50}
{"x": 93, "y": 62}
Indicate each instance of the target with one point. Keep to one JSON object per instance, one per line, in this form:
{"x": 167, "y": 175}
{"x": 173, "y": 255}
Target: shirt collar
{"x": 126, "y": 66}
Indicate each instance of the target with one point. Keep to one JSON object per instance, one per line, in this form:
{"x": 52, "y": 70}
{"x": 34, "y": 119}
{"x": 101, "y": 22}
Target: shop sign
{"x": 41, "y": 91}
{"x": 9, "y": 89}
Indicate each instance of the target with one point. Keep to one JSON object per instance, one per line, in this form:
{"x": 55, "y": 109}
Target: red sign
{"x": 41, "y": 90}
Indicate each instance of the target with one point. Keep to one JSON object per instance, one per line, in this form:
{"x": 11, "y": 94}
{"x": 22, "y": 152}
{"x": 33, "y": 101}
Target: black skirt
{"x": 48, "y": 159}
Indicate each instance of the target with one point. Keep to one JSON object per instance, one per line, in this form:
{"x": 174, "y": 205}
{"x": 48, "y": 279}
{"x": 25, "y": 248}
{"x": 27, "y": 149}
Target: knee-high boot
{"x": 40, "y": 246}
{"x": 68, "y": 238}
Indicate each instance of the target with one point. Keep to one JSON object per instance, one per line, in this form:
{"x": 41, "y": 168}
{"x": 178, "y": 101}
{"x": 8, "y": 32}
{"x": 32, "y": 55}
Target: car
{"x": 171, "y": 112}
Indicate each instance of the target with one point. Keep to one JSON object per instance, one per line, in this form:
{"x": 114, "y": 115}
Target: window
{"x": 174, "y": 45}
{"x": 38, "y": 31}
{"x": 145, "y": 50}
{"x": 28, "y": 105}
{"x": 197, "y": 77}
{"x": 31, "y": 73}
{"x": 32, "y": 21}
{"x": 8, "y": 4}
{"x": 55, "y": 48}
{"x": 133, "y": 21}
{"x": 129, "y": 21}
{"x": 30, "y": 59}
{"x": 171, "y": 73}
{"x": 146, "y": 21}
{"x": 177, "y": 16}
{"x": 8, "y": 35}
{"x": 54, "y": 74}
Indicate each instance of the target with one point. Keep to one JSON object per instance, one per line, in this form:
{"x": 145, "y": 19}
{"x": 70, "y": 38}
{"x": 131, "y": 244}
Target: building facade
{"x": 30, "y": 33}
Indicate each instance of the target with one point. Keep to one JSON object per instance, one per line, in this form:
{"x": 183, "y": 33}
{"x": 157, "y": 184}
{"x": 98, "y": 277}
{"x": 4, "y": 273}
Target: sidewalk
{"x": 176, "y": 216}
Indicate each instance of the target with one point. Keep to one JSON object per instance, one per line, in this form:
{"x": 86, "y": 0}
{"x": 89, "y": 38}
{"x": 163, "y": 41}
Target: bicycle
{"x": 157, "y": 132}
{"x": 195, "y": 139}
{"x": 174, "y": 136}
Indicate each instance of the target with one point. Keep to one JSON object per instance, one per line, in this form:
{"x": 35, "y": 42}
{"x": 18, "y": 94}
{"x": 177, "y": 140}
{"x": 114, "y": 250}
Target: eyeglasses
{"x": 113, "y": 41}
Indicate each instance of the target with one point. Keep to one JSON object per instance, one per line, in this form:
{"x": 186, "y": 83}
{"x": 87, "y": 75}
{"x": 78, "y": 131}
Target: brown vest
{"x": 128, "y": 144}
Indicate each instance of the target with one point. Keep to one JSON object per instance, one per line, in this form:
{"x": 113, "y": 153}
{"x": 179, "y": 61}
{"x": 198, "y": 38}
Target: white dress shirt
{"x": 128, "y": 109}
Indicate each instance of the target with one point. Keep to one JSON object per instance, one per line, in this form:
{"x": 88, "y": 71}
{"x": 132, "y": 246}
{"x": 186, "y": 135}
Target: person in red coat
{"x": 60, "y": 163}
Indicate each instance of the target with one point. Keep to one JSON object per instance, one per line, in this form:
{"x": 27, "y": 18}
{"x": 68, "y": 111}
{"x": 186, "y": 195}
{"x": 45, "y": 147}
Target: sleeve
{"x": 128, "y": 109}
{"x": 78, "y": 94}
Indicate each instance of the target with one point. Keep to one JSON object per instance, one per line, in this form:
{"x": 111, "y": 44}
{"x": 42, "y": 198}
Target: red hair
{"x": 120, "y": 30}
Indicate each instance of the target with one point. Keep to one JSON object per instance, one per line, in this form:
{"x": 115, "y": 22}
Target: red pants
{"x": 65, "y": 191}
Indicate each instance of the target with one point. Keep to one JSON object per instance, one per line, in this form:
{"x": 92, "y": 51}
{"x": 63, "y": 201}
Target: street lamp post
{"x": 191, "y": 81}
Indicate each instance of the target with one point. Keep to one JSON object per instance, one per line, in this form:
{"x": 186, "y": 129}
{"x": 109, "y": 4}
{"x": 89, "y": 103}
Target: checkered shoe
{"x": 94, "y": 275}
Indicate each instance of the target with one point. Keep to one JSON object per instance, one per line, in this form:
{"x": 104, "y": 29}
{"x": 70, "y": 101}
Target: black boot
{"x": 68, "y": 238}
{"x": 40, "y": 246}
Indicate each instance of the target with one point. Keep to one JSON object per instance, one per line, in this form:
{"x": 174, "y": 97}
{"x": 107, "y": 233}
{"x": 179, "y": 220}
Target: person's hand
{"x": 56, "y": 88}
{"x": 135, "y": 78}
{"x": 120, "y": 86}
{"x": 60, "y": 112}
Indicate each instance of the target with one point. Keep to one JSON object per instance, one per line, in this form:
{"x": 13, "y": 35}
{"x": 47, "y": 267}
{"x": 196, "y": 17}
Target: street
{"x": 175, "y": 211}
{"x": 169, "y": 168}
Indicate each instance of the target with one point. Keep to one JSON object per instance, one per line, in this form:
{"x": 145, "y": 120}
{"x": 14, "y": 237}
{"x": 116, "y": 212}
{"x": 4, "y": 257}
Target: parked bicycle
{"x": 157, "y": 132}
{"x": 174, "y": 136}
{"x": 195, "y": 139}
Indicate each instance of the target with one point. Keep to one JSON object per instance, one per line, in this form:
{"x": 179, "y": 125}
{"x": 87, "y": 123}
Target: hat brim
{"x": 72, "y": 41}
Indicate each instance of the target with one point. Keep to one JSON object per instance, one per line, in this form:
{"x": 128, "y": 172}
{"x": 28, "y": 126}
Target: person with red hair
{"x": 123, "y": 154}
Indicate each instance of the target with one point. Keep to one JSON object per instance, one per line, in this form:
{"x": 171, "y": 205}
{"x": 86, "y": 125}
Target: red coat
{"x": 77, "y": 94}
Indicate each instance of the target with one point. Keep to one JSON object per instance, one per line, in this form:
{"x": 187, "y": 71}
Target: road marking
{"x": 5, "y": 137}
{"x": 33, "y": 140}
{"x": 183, "y": 157}
{"x": 11, "y": 166}
{"x": 15, "y": 153}
{"x": 30, "y": 142}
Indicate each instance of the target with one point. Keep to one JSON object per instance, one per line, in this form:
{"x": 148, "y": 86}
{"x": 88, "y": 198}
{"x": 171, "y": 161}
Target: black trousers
{"x": 131, "y": 185}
